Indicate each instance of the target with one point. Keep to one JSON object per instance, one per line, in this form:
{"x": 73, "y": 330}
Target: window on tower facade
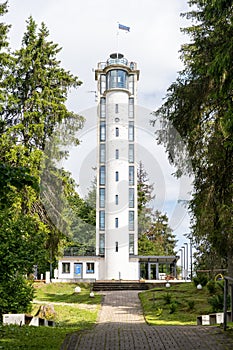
{"x": 102, "y": 175}
{"x": 102, "y": 220}
{"x": 101, "y": 243}
{"x": 131, "y": 107}
{"x": 131, "y": 153}
{"x": 131, "y": 175}
{"x": 102, "y": 197}
{"x": 117, "y": 132}
{"x": 102, "y": 131}
{"x": 102, "y": 108}
{"x": 117, "y": 78}
{"x": 116, "y": 247}
{"x": 116, "y": 222}
{"x": 116, "y": 199}
{"x": 131, "y": 84}
{"x": 117, "y": 154}
{"x": 131, "y": 220}
{"x": 131, "y": 131}
{"x": 102, "y": 83}
{"x": 117, "y": 176}
{"x": 131, "y": 244}
{"x": 102, "y": 153}
{"x": 116, "y": 108}
{"x": 131, "y": 197}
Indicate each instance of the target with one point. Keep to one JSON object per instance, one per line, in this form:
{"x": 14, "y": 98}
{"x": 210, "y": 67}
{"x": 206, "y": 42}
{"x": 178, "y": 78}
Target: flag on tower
{"x": 121, "y": 26}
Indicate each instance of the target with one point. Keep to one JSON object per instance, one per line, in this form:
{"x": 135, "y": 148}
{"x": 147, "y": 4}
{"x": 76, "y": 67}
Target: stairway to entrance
{"x": 119, "y": 285}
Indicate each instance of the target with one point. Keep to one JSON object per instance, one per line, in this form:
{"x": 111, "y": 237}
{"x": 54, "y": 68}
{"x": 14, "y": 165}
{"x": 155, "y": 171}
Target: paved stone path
{"x": 121, "y": 326}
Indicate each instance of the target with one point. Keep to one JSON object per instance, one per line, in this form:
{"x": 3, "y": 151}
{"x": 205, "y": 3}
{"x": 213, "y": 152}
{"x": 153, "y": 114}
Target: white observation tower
{"x": 116, "y": 208}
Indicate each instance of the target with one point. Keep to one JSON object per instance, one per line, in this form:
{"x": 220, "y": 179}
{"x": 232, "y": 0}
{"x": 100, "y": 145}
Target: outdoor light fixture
{"x": 168, "y": 285}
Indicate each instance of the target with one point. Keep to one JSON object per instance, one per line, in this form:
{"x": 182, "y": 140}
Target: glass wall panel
{"x": 102, "y": 197}
{"x": 131, "y": 131}
{"x": 131, "y": 244}
{"x": 102, "y": 153}
{"x": 102, "y": 131}
{"x": 131, "y": 175}
{"x": 131, "y": 107}
{"x": 102, "y": 108}
{"x": 101, "y": 244}
{"x": 102, "y": 175}
{"x": 102, "y": 83}
{"x": 102, "y": 220}
{"x": 131, "y": 220}
{"x": 117, "y": 78}
{"x": 131, "y": 197}
{"x": 131, "y": 153}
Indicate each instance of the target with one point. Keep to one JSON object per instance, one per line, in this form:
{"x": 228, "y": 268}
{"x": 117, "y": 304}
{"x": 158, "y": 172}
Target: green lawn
{"x": 74, "y": 311}
{"x": 178, "y": 305}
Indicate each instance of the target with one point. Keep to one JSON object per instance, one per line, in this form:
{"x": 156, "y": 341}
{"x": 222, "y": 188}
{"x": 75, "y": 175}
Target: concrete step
{"x": 118, "y": 285}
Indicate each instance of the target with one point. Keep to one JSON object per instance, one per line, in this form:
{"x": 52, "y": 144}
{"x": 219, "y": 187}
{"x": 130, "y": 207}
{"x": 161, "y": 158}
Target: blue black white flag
{"x": 121, "y": 26}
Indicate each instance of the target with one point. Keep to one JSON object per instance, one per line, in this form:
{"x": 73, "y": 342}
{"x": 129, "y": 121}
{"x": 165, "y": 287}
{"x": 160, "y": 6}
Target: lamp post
{"x": 184, "y": 264}
{"x": 187, "y": 265}
{"x": 191, "y": 261}
{"x": 181, "y": 262}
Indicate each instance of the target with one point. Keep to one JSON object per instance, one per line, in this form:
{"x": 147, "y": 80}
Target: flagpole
{"x": 117, "y": 39}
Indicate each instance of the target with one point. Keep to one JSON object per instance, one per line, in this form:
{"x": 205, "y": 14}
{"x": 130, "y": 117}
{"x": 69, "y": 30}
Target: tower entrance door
{"x": 78, "y": 270}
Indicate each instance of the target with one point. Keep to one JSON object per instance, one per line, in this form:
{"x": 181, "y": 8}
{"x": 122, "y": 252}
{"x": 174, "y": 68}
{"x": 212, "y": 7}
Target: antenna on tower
{"x": 93, "y": 92}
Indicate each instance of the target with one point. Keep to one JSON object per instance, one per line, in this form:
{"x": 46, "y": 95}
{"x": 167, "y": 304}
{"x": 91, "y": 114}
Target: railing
{"x": 228, "y": 281}
{"x": 117, "y": 61}
{"x": 80, "y": 251}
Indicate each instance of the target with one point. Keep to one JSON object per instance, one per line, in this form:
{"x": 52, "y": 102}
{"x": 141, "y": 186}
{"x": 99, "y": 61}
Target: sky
{"x": 87, "y": 33}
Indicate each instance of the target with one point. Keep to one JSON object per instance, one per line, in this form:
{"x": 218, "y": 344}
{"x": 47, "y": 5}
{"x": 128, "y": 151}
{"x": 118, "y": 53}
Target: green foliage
{"x": 191, "y": 304}
{"x": 197, "y": 113}
{"x": 185, "y": 296}
{"x": 16, "y": 293}
{"x": 200, "y": 279}
{"x": 211, "y": 286}
{"x": 173, "y": 307}
{"x": 167, "y": 298}
{"x": 34, "y": 124}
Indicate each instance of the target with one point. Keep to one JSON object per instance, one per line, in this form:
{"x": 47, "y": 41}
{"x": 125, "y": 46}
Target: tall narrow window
{"x": 131, "y": 107}
{"x": 131, "y": 220}
{"x": 131, "y": 175}
{"x": 116, "y": 247}
{"x": 116, "y": 108}
{"x": 117, "y": 176}
{"x": 116, "y": 199}
{"x": 102, "y": 153}
{"x": 101, "y": 243}
{"x": 101, "y": 220}
{"x": 102, "y": 83}
{"x": 102, "y": 131}
{"x": 131, "y": 84}
{"x": 117, "y": 132}
{"x": 131, "y": 153}
{"x": 116, "y": 222}
{"x": 117, "y": 154}
{"x": 131, "y": 244}
{"x": 102, "y": 197}
{"x": 131, "y": 197}
{"x": 102, "y": 108}
{"x": 131, "y": 131}
{"x": 102, "y": 175}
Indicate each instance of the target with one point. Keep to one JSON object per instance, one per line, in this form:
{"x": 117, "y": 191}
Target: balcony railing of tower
{"x": 80, "y": 251}
{"x": 117, "y": 61}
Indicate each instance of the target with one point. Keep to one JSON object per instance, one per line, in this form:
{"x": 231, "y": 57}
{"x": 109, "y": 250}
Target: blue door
{"x": 78, "y": 270}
